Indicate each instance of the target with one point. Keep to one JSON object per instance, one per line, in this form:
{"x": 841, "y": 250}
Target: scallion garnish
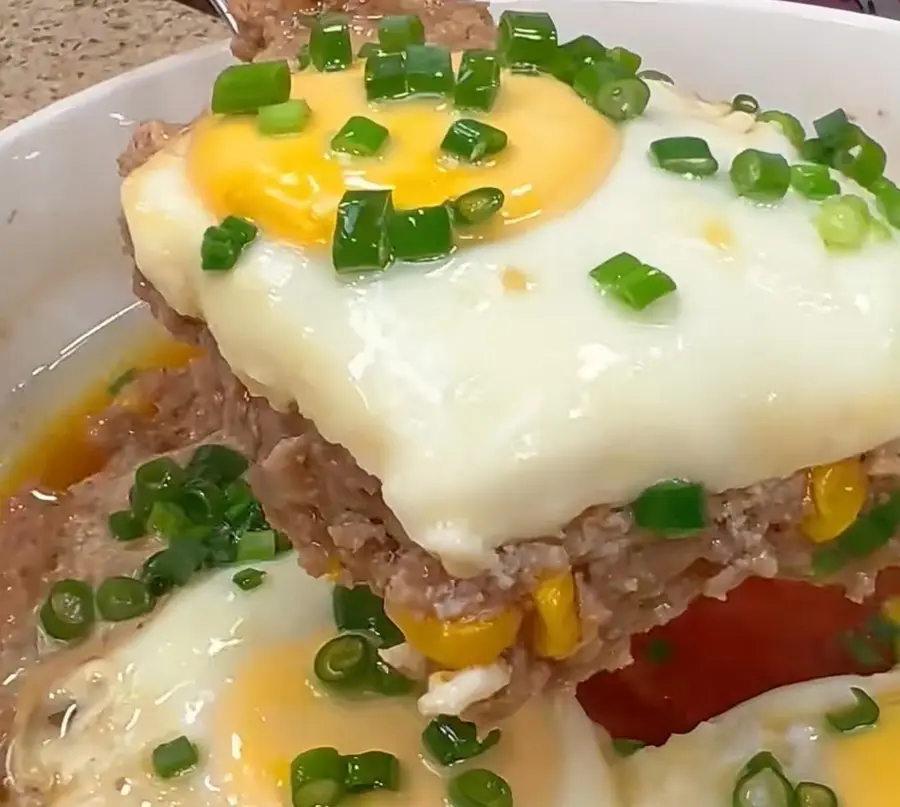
{"x": 123, "y": 598}
{"x": 476, "y": 206}
{"x": 625, "y": 58}
{"x": 655, "y": 75}
{"x": 478, "y": 80}
{"x": 175, "y": 758}
{"x": 859, "y": 157}
{"x": 863, "y": 713}
{"x": 833, "y": 129}
{"x": 684, "y": 155}
{"x": 248, "y": 579}
{"x": 814, "y": 794}
{"x": 814, "y": 150}
{"x": 125, "y": 526}
{"x": 396, "y": 31}
{"x": 887, "y": 197}
{"x": 745, "y": 103}
{"x": 360, "y": 136}
{"x": 240, "y": 231}
{"x": 527, "y": 39}
{"x": 303, "y": 59}
{"x": 68, "y": 611}
{"x": 172, "y": 567}
{"x": 385, "y": 680}
{"x": 369, "y": 49}
{"x": 813, "y": 181}
{"x": 329, "y": 43}
{"x": 385, "y": 76}
{"x": 421, "y": 234}
{"x": 760, "y": 176}
{"x": 612, "y": 90}
{"x": 479, "y": 788}
{"x": 288, "y": 117}
{"x": 217, "y": 463}
{"x": 167, "y": 520}
{"x": 360, "y": 242}
{"x": 121, "y": 381}
{"x": 345, "y": 662}
{"x": 842, "y": 222}
{"x": 358, "y": 609}
{"x": 672, "y": 509}
{"x": 868, "y": 533}
{"x": 318, "y": 778}
{"x": 571, "y": 56}
{"x": 631, "y": 282}
{"x": 625, "y": 747}
{"x": 766, "y": 785}
{"x": 790, "y": 127}
{"x": 222, "y": 245}
{"x": 244, "y": 88}
{"x": 472, "y": 140}
{"x": 429, "y": 70}
{"x": 372, "y": 770}
{"x": 256, "y": 545}
{"x": 449, "y": 739}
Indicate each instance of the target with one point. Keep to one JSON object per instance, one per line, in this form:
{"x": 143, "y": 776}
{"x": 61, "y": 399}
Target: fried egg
{"x": 230, "y": 670}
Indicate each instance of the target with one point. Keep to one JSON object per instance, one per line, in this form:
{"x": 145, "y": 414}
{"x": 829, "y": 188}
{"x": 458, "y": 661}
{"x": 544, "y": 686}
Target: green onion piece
{"x": 159, "y": 476}
{"x": 571, "y": 56}
{"x": 288, "y": 117}
{"x": 684, "y": 155}
{"x": 123, "y": 598}
{"x": 421, "y": 234}
{"x": 318, "y": 778}
{"x": 745, "y": 103}
{"x": 814, "y": 150}
{"x": 167, "y": 520}
{"x": 655, "y": 75}
{"x": 625, "y": 747}
{"x": 345, "y": 662}
{"x": 385, "y": 76}
{"x": 864, "y": 536}
{"x": 612, "y": 90}
{"x": 478, "y": 80}
{"x": 760, "y": 176}
{"x": 672, "y": 509}
{"x": 175, "y": 758}
{"x": 372, "y": 770}
{"x": 790, "y": 127}
{"x": 760, "y": 761}
{"x": 218, "y": 464}
{"x": 813, "y": 794}
{"x": 361, "y": 137}
{"x": 472, "y": 140}
{"x": 631, "y": 282}
{"x": 125, "y": 526}
{"x": 329, "y": 43}
{"x": 449, "y": 740}
{"x": 360, "y": 242}
{"x": 842, "y": 223}
{"x": 813, "y": 181}
{"x": 68, "y": 611}
{"x": 863, "y": 713}
{"x": 358, "y": 609}
{"x": 303, "y": 58}
{"x": 369, "y": 49}
{"x": 396, "y": 31}
{"x": 258, "y": 545}
{"x": 385, "y": 680}
{"x": 834, "y": 128}
{"x": 219, "y": 545}
{"x": 218, "y": 252}
{"x": 202, "y": 502}
{"x": 477, "y": 206}
{"x": 172, "y": 567}
{"x": 248, "y": 579}
{"x": 887, "y": 196}
{"x": 429, "y": 70}
{"x": 860, "y": 157}
{"x": 244, "y": 88}
{"x": 242, "y": 509}
{"x": 479, "y": 788}
{"x": 121, "y": 381}
{"x": 625, "y": 58}
{"x": 766, "y": 787}
{"x": 527, "y": 38}
{"x": 240, "y": 231}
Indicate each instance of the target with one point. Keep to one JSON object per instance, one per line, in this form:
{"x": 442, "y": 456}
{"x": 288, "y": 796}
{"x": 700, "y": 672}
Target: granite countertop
{"x": 53, "y": 48}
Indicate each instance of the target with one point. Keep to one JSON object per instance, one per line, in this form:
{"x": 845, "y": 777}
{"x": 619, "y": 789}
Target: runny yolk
{"x": 272, "y": 712}
{"x": 559, "y": 152}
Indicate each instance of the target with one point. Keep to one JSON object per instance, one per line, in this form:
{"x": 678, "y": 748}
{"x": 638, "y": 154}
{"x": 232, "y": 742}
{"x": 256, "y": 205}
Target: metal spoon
{"x": 221, "y": 8}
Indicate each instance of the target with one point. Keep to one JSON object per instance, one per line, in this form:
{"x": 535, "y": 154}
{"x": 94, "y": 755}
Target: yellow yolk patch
{"x": 272, "y": 713}
{"x": 559, "y": 151}
{"x": 864, "y": 764}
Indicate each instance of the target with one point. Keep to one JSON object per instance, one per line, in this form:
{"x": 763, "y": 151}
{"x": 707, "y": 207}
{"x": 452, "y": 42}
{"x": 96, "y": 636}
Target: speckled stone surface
{"x": 53, "y": 48}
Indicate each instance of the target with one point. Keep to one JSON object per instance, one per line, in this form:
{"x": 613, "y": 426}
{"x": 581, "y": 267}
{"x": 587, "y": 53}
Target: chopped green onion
{"x": 329, "y": 43}
{"x": 612, "y": 90}
{"x": 396, "y": 31}
{"x": 345, "y": 661}
{"x": 834, "y": 128}
{"x": 745, "y": 103}
{"x": 478, "y": 80}
{"x": 868, "y": 533}
{"x": 813, "y": 794}
{"x": 385, "y": 76}
{"x": 159, "y": 476}
{"x": 219, "y": 545}
{"x": 684, "y": 155}
{"x": 449, "y": 740}
{"x": 318, "y": 778}
{"x": 126, "y": 526}
{"x": 167, "y": 520}
{"x": 472, "y": 140}
{"x": 760, "y": 761}
{"x": 248, "y": 579}
{"x": 360, "y": 136}
{"x": 244, "y": 88}
{"x": 172, "y": 567}
{"x": 631, "y": 282}
{"x": 760, "y": 175}
{"x": 887, "y": 196}
{"x": 240, "y": 231}
{"x": 372, "y": 770}
{"x": 863, "y": 713}
{"x": 369, "y": 49}
{"x": 527, "y": 38}
{"x": 655, "y": 75}
{"x": 477, "y": 206}
{"x": 123, "y": 598}
{"x": 68, "y": 611}
{"x": 422, "y": 234}
{"x": 625, "y": 747}
{"x": 673, "y": 508}
{"x": 121, "y": 381}
{"x": 814, "y": 150}
{"x": 385, "y": 680}
{"x": 625, "y": 58}
{"x": 429, "y": 70}
{"x": 860, "y": 157}
{"x": 218, "y": 252}
{"x": 303, "y": 58}
{"x": 479, "y": 788}
{"x": 360, "y": 241}
{"x": 767, "y": 787}
{"x": 202, "y": 502}
{"x": 571, "y": 56}
{"x": 790, "y": 127}
{"x": 813, "y": 181}
{"x": 175, "y": 758}
{"x": 288, "y": 117}
{"x": 358, "y": 609}
{"x": 842, "y": 223}
{"x": 258, "y": 545}
{"x": 218, "y": 464}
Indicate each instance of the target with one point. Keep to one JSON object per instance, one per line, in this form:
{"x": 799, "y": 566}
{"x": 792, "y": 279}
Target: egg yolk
{"x": 559, "y": 151}
{"x": 272, "y": 712}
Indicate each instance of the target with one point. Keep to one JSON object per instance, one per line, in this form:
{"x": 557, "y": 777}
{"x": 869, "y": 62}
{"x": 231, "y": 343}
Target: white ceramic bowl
{"x": 66, "y": 282}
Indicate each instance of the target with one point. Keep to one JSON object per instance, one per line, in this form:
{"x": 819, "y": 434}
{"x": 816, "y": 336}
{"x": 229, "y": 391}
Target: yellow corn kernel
{"x": 557, "y": 629}
{"x": 836, "y": 494}
{"x": 458, "y": 643}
